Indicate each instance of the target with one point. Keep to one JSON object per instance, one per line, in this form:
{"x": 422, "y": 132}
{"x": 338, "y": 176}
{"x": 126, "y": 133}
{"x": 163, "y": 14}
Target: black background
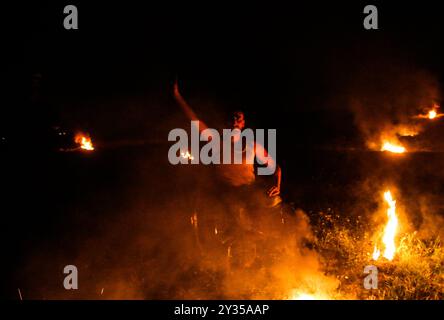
{"x": 279, "y": 62}
{"x": 113, "y": 76}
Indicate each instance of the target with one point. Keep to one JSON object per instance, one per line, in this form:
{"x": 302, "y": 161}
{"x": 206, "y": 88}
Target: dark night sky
{"x": 277, "y": 62}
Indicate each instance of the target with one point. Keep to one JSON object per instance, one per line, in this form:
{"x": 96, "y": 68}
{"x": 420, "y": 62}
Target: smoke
{"x": 176, "y": 232}
{"x": 385, "y": 98}
{"x": 137, "y": 227}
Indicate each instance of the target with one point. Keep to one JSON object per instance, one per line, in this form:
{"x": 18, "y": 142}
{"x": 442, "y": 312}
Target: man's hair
{"x": 231, "y": 112}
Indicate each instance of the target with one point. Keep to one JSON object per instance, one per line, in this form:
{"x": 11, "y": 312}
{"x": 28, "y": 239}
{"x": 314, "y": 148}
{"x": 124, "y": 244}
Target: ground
{"x": 122, "y": 216}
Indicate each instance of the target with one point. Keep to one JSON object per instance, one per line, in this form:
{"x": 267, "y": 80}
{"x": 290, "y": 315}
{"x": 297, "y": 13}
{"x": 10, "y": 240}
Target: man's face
{"x": 238, "y": 121}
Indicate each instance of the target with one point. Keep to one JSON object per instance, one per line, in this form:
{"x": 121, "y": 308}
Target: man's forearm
{"x": 278, "y": 176}
{"x": 185, "y": 107}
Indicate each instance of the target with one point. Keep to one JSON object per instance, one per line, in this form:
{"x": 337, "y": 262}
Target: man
{"x": 237, "y": 175}
{"x": 244, "y": 201}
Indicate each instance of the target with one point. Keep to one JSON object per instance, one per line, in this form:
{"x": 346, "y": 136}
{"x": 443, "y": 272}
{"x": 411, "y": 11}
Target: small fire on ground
{"x": 84, "y": 142}
{"x": 390, "y": 230}
{"x": 392, "y": 147}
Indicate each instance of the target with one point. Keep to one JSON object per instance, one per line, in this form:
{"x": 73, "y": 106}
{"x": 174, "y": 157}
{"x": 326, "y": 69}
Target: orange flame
{"x": 391, "y": 147}
{"x": 408, "y": 131}
{"x": 301, "y": 295}
{"x": 376, "y": 253}
{"x": 186, "y": 155}
{"x": 390, "y": 230}
{"x": 84, "y": 142}
{"x": 304, "y": 296}
{"x": 391, "y": 227}
{"x": 431, "y": 114}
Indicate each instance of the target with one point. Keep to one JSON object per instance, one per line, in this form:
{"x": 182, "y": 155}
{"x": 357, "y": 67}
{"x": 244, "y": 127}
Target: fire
{"x": 391, "y": 227}
{"x": 389, "y": 231}
{"x": 186, "y": 155}
{"x": 408, "y": 131}
{"x": 376, "y": 253}
{"x": 84, "y": 142}
{"x": 388, "y": 146}
{"x": 298, "y": 295}
{"x": 304, "y": 296}
{"x": 432, "y": 114}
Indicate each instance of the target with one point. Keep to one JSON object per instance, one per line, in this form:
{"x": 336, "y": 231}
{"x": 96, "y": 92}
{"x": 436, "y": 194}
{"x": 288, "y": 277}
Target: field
{"x": 122, "y": 216}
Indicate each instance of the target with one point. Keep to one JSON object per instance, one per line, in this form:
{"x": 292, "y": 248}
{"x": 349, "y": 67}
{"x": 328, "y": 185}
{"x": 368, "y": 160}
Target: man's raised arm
{"x": 186, "y": 108}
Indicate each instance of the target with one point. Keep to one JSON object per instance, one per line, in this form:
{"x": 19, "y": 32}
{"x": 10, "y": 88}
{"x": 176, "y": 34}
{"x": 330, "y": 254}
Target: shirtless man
{"x": 244, "y": 199}
{"x": 237, "y": 175}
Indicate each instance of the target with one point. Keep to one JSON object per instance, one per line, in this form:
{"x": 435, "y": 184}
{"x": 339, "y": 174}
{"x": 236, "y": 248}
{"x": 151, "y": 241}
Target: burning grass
{"x": 323, "y": 258}
{"x": 345, "y": 247}
{"x": 182, "y": 254}
{"x": 390, "y": 147}
{"x": 431, "y": 114}
{"x": 84, "y": 142}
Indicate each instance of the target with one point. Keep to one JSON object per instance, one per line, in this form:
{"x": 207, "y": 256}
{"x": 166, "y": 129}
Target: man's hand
{"x": 274, "y": 191}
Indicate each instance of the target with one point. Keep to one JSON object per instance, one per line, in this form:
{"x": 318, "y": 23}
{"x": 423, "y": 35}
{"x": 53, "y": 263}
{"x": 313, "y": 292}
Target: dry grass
{"x": 345, "y": 247}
